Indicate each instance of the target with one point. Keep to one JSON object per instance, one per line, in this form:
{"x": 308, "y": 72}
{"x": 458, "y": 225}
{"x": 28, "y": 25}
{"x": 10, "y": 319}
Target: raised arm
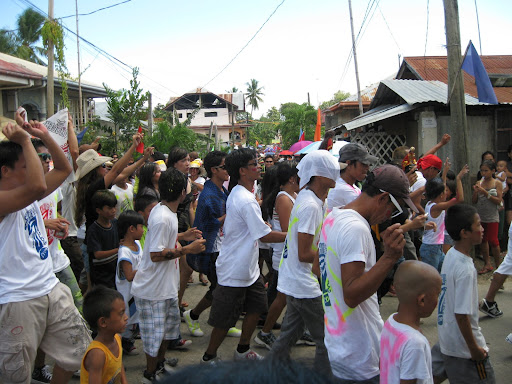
{"x": 121, "y": 164}
{"x": 34, "y": 184}
{"x": 139, "y": 163}
{"x": 444, "y": 140}
{"x": 72, "y": 142}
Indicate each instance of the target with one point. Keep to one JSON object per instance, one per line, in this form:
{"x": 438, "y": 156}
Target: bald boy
{"x": 404, "y": 352}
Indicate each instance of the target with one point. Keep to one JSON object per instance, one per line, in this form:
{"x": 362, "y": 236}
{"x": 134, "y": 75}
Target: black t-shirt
{"x": 90, "y": 212}
{"x": 103, "y": 239}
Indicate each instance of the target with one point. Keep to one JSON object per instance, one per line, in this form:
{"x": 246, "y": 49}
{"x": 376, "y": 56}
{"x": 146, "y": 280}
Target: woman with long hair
{"x": 278, "y": 204}
{"x": 149, "y": 174}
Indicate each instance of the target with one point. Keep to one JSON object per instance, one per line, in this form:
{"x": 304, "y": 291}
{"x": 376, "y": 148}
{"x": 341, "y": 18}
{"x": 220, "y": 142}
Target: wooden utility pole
{"x": 456, "y": 99}
{"x": 81, "y": 119}
{"x": 50, "y": 110}
{"x": 150, "y": 114}
{"x": 209, "y": 137}
{"x": 355, "y": 59}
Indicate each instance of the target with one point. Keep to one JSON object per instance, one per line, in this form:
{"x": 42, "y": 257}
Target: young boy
{"x": 124, "y": 194}
{"x": 143, "y": 205}
{"x": 404, "y": 350}
{"x": 104, "y": 310}
{"x": 461, "y": 354}
{"x": 130, "y": 226}
{"x": 103, "y": 240}
{"x": 155, "y": 285}
{"x": 36, "y": 308}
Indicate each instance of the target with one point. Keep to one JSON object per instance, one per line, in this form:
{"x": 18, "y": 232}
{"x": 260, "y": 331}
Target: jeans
{"x": 433, "y": 255}
{"x": 300, "y": 312}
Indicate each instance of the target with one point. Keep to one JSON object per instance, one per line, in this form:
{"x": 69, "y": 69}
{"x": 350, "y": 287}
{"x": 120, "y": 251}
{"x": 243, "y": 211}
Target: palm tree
{"x": 22, "y": 42}
{"x": 254, "y": 94}
{"x": 232, "y": 90}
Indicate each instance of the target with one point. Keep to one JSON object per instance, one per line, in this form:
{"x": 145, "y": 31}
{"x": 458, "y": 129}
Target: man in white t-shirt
{"x": 124, "y": 194}
{"x": 298, "y": 277}
{"x": 240, "y": 285}
{"x": 35, "y": 307}
{"x": 355, "y": 162}
{"x": 351, "y": 274}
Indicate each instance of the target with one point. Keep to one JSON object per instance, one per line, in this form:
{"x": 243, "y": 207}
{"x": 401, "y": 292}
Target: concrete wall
{"x": 222, "y": 117}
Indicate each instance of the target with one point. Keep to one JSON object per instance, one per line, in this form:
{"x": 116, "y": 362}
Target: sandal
{"x": 184, "y": 304}
{"x": 484, "y": 270}
{"x": 203, "y": 280}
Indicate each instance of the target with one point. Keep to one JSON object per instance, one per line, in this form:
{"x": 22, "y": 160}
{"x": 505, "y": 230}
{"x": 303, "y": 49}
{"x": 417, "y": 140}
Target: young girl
{"x": 487, "y": 195}
{"x": 431, "y": 250}
{"x": 149, "y": 174}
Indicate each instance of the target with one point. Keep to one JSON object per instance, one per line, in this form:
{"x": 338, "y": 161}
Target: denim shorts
{"x": 433, "y": 255}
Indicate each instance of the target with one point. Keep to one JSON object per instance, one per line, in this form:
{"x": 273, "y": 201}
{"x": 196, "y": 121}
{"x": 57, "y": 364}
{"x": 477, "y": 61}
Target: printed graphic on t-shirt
{"x": 39, "y": 241}
{"x": 47, "y": 213}
{"x": 442, "y": 300}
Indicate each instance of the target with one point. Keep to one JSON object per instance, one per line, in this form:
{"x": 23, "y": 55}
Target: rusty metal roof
{"x": 436, "y": 68}
{"x": 12, "y": 69}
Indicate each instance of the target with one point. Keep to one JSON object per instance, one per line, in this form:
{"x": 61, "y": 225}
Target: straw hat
{"x": 88, "y": 161}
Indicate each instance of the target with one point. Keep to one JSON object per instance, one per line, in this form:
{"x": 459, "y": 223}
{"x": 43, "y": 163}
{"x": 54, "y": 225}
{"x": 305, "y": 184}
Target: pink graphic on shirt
{"x": 329, "y": 222}
{"x": 389, "y": 353}
{"x": 47, "y": 213}
{"x": 342, "y": 323}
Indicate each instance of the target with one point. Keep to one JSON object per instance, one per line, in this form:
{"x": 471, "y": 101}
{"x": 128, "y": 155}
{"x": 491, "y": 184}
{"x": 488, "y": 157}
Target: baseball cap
{"x": 430, "y": 161}
{"x": 357, "y": 152}
{"x": 389, "y": 178}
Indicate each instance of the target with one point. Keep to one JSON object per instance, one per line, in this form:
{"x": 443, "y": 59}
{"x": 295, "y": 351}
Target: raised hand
{"x": 15, "y": 133}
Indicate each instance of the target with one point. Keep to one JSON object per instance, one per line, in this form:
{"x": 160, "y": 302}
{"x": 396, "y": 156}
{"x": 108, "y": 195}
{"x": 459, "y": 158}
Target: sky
{"x": 303, "y": 48}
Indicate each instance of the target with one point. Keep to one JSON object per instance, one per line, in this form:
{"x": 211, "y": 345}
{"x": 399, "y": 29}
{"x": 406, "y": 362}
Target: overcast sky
{"x": 304, "y": 47}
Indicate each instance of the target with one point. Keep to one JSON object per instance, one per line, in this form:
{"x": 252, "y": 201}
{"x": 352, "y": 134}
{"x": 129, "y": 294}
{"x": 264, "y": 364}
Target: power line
{"x": 101, "y": 9}
{"x": 245, "y": 46}
{"x": 389, "y": 29}
{"x": 426, "y": 33}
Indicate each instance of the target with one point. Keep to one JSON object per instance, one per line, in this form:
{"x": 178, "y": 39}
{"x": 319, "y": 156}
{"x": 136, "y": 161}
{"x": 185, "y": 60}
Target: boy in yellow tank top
{"x": 104, "y": 310}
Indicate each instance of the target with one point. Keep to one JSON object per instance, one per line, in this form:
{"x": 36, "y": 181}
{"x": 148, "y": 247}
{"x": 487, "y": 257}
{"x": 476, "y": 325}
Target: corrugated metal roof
{"x": 415, "y": 92}
{"x": 16, "y": 70}
{"x": 379, "y": 113}
{"x": 436, "y": 68}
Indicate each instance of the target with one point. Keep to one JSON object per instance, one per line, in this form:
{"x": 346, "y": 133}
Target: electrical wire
{"x": 389, "y": 29}
{"x": 426, "y": 33}
{"x": 478, "y": 24}
{"x": 101, "y": 9}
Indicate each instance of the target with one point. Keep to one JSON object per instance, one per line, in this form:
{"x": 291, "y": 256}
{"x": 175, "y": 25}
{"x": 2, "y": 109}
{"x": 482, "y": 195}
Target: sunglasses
{"x": 399, "y": 209}
{"x": 45, "y": 156}
{"x": 103, "y": 165}
{"x": 268, "y": 161}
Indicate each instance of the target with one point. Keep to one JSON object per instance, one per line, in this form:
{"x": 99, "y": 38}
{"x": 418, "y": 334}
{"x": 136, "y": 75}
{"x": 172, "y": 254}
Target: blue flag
{"x": 80, "y": 136}
{"x": 473, "y": 66}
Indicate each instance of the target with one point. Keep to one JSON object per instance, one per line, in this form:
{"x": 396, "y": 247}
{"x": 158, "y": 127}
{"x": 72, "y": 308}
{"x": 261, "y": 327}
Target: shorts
{"x": 432, "y": 254}
{"x": 159, "y": 320}
{"x": 505, "y": 267}
{"x": 491, "y": 234}
{"x": 71, "y": 248}
{"x": 51, "y": 322}
{"x": 212, "y": 276}
{"x": 229, "y": 302}
{"x": 459, "y": 370}
{"x": 507, "y": 198}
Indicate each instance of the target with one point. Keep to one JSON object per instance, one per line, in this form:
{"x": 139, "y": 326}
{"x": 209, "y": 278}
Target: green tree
{"x": 337, "y": 97}
{"x": 22, "y": 43}
{"x": 126, "y": 109}
{"x": 297, "y": 116}
{"x": 254, "y": 93}
{"x": 232, "y": 90}
{"x": 265, "y": 129}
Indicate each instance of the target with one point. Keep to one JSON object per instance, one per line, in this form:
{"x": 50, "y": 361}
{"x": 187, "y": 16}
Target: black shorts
{"x": 229, "y": 302}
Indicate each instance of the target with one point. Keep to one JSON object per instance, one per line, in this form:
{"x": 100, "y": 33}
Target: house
{"x": 23, "y": 83}
{"x": 412, "y": 110}
{"x": 209, "y": 109}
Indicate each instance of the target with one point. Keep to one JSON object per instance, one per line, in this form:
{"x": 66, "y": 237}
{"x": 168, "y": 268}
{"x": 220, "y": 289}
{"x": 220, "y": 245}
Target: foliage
{"x": 95, "y": 130}
{"x": 254, "y": 93}
{"x": 22, "y": 41}
{"x": 125, "y": 109}
{"x": 297, "y": 116}
{"x": 159, "y": 112}
{"x": 232, "y": 90}
{"x": 337, "y": 97}
{"x": 52, "y": 32}
{"x": 265, "y": 130}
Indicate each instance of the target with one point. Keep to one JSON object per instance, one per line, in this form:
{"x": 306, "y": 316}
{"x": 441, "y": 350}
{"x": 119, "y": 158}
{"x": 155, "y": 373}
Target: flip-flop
{"x": 483, "y": 271}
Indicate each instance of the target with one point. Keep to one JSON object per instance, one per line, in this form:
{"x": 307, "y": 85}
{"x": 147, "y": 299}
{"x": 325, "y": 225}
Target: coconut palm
{"x": 254, "y": 94}
{"x": 232, "y": 90}
{"x": 22, "y": 42}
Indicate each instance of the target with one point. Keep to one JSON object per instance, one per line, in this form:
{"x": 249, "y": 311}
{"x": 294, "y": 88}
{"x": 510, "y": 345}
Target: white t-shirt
{"x": 429, "y": 236}
{"x": 459, "y": 294}
{"x": 68, "y": 206}
{"x": 124, "y": 286}
{"x": 404, "y": 354}
{"x": 26, "y": 270}
{"x": 237, "y": 264}
{"x": 295, "y": 277}
{"x": 158, "y": 280}
{"x": 352, "y": 335}
{"x": 277, "y": 248}
{"x": 48, "y": 207}
{"x": 342, "y": 194}
{"x": 124, "y": 198}
{"x": 420, "y": 182}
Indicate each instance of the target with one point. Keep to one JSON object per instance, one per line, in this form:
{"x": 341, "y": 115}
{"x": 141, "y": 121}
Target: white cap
{"x": 318, "y": 163}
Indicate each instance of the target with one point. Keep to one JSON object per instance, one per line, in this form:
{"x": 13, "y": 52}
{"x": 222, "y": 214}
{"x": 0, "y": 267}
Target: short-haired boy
{"x": 156, "y": 283}
{"x": 461, "y": 354}
{"x": 105, "y": 311}
{"x": 404, "y": 351}
{"x": 130, "y": 227}
{"x": 103, "y": 240}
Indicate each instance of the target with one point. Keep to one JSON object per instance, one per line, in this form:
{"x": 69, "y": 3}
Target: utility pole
{"x": 50, "y": 110}
{"x": 209, "y": 137}
{"x": 355, "y": 58}
{"x": 456, "y": 99}
{"x": 81, "y": 119}
{"x": 150, "y": 114}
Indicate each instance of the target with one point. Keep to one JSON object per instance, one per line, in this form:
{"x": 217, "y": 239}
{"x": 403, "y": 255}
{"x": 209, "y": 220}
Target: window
{"x": 180, "y": 115}
{"x": 189, "y": 114}
{"x": 210, "y": 114}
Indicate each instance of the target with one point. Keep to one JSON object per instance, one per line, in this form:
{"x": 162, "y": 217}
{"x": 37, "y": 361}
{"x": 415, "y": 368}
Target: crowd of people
{"x": 117, "y": 242}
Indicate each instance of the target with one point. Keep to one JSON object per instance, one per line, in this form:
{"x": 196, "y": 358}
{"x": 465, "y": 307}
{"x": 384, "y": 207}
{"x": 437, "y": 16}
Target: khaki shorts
{"x": 50, "y": 322}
